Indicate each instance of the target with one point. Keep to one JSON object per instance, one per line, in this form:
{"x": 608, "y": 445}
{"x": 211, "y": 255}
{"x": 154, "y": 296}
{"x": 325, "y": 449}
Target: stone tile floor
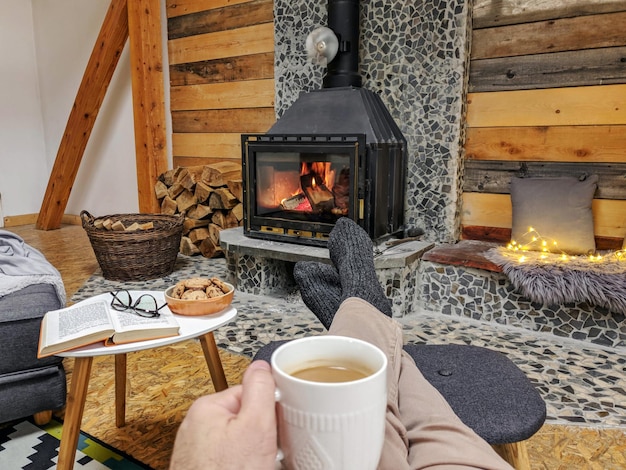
{"x": 585, "y": 385}
{"x": 581, "y": 383}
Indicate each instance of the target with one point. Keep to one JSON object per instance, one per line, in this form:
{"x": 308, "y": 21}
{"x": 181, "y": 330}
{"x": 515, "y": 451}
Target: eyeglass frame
{"x": 134, "y": 307}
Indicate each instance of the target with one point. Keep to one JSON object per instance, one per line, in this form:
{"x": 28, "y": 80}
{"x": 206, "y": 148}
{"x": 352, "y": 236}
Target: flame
{"x": 321, "y": 170}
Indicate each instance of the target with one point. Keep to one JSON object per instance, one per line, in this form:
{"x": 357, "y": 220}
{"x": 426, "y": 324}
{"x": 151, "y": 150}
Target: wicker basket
{"x": 135, "y": 255}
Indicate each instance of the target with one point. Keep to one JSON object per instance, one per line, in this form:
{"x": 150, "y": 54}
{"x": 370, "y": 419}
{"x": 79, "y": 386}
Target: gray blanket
{"x": 21, "y": 265}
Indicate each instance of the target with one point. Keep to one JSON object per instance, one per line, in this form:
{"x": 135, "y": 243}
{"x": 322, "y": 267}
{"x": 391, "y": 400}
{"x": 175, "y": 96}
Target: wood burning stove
{"x": 302, "y": 175}
{"x": 336, "y": 152}
{"x": 297, "y": 186}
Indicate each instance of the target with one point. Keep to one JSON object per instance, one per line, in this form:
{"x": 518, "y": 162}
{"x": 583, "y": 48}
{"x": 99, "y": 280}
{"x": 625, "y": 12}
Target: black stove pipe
{"x": 343, "y": 19}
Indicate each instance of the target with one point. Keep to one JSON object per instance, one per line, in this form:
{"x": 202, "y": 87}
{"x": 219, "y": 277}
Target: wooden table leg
{"x": 74, "y": 412}
{"x": 212, "y": 356}
{"x": 120, "y": 390}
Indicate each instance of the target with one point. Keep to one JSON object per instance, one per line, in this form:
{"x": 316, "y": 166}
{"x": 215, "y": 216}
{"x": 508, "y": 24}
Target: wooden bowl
{"x": 199, "y": 307}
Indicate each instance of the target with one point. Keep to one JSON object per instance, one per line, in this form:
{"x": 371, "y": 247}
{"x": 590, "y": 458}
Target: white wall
{"x": 23, "y": 170}
{"x": 55, "y": 43}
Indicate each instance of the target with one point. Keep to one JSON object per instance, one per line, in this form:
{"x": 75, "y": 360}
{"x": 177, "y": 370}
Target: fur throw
{"x": 555, "y": 280}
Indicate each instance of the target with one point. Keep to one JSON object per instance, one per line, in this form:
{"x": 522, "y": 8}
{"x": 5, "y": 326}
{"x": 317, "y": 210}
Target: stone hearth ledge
{"x": 265, "y": 267}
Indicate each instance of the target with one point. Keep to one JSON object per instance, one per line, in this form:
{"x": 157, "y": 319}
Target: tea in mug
{"x": 332, "y": 373}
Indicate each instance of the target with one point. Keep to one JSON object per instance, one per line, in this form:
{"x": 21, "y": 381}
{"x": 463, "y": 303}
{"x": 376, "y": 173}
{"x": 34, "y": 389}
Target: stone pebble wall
{"x": 414, "y": 55}
{"x": 272, "y": 277}
{"x": 490, "y": 297}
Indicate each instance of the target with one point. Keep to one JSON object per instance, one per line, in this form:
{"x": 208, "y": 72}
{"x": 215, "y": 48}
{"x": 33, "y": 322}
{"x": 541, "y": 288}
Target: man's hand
{"x": 232, "y": 429}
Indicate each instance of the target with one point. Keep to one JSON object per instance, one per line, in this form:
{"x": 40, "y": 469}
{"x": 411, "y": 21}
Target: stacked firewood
{"x": 210, "y": 197}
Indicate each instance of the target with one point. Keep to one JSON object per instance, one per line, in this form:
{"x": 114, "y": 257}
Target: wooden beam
{"x": 96, "y": 79}
{"x": 146, "y": 56}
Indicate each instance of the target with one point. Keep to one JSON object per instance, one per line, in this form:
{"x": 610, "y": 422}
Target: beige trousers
{"x": 422, "y": 431}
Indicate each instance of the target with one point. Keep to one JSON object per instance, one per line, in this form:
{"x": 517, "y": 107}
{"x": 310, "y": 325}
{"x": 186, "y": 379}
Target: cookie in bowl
{"x": 199, "y": 296}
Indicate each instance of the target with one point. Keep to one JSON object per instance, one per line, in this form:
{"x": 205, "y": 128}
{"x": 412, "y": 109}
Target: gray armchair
{"x": 28, "y": 386}
{"x": 29, "y": 287}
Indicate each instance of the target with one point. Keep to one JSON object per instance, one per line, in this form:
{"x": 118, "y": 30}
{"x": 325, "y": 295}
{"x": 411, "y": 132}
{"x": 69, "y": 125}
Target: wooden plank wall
{"x": 547, "y": 97}
{"x": 221, "y": 55}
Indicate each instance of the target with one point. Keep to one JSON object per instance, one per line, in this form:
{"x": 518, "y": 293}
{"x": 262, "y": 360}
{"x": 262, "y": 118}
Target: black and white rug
{"x": 27, "y": 446}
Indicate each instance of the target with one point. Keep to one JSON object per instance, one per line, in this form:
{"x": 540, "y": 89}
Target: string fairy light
{"x": 546, "y": 247}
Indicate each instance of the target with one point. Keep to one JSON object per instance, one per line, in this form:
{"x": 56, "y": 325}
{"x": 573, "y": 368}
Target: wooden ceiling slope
{"x": 221, "y": 56}
{"x": 139, "y": 20}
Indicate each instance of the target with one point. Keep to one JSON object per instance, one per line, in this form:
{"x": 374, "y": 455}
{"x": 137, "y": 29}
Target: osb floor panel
{"x": 584, "y": 388}
{"x": 161, "y": 384}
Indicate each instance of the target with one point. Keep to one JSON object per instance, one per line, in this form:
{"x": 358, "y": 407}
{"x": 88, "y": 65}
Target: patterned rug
{"x": 27, "y": 446}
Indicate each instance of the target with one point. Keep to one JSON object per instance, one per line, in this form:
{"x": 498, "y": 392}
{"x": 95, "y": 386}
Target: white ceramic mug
{"x": 325, "y": 425}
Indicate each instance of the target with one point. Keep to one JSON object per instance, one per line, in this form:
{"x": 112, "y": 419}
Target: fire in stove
{"x": 318, "y": 191}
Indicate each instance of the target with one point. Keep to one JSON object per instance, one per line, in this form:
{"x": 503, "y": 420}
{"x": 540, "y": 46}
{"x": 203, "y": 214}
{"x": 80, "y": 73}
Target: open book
{"x": 92, "y": 322}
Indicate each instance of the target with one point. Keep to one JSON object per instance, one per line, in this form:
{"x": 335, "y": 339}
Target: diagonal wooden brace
{"x": 139, "y": 20}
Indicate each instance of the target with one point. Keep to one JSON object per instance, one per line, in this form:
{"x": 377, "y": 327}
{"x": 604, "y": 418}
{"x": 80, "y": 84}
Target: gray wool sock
{"x": 320, "y": 289}
{"x": 351, "y": 251}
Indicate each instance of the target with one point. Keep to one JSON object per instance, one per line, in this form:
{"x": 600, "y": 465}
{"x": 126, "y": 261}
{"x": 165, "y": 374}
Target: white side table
{"x": 190, "y": 327}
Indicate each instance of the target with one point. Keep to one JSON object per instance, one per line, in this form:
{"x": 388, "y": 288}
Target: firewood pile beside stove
{"x": 209, "y": 196}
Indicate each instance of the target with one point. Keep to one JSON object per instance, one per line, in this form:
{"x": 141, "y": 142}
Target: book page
{"x": 80, "y": 319}
{"x": 72, "y": 327}
{"x": 128, "y": 320}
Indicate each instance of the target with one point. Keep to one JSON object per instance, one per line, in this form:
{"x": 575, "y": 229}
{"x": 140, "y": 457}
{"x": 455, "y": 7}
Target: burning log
{"x": 341, "y": 190}
{"x": 293, "y": 202}
{"x": 209, "y": 196}
{"x": 320, "y": 197}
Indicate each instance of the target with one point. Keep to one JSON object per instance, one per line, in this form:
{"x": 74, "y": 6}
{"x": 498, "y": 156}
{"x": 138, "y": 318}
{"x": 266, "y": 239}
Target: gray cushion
{"x": 486, "y": 390}
{"x": 559, "y": 209}
{"x": 20, "y": 320}
{"x": 31, "y": 391}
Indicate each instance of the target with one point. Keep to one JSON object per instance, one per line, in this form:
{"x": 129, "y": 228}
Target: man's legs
{"x": 421, "y": 431}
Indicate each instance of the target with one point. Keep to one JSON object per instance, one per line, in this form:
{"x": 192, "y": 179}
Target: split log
{"x": 224, "y": 219}
{"x": 218, "y": 174}
{"x": 316, "y": 192}
{"x": 187, "y": 247}
{"x": 238, "y": 211}
{"x": 236, "y": 187}
{"x": 175, "y": 189}
{"x": 185, "y": 200}
{"x": 203, "y": 191}
{"x": 160, "y": 190}
{"x": 189, "y": 224}
{"x": 222, "y": 198}
{"x": 169, "y": 176}
{"x": 214, "y": 233}
{"x": 168, "y": 206}
{"x": 118, "y": 226}
{"x": 198, "y": 234}
{"x": 209, "y": 249}
{"x": 210, "y": 197}
{"x": 186, "y": 179}
{"x": 199, "y": 211}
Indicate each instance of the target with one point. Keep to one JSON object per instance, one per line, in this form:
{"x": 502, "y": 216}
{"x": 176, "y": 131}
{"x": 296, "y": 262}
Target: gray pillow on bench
{"x": 558, "y": 209}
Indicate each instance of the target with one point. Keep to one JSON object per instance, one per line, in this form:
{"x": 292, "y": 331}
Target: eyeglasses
{"x": 145, "y": 306}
